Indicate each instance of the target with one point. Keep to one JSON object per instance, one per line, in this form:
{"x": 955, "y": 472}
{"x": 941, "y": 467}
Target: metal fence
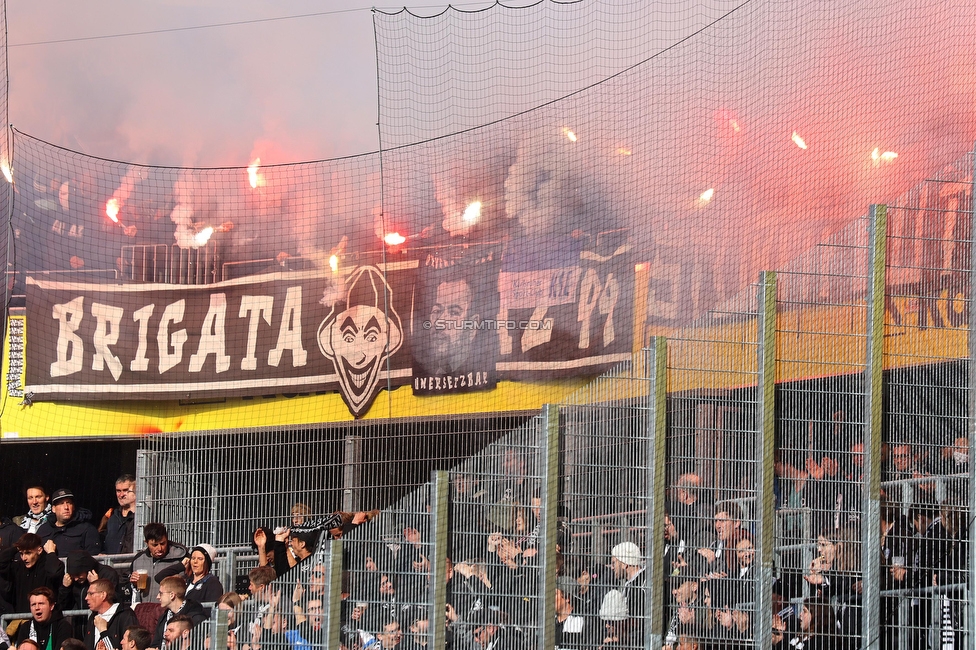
{"x": 795, "y": 469}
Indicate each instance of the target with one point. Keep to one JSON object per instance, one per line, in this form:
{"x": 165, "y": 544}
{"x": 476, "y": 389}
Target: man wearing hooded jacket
{"x": 69, "y": 529}
{"x": 47, "y": 626}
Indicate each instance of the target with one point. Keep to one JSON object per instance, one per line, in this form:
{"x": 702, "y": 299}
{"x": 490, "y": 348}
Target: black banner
{"x": 262, "y": 335}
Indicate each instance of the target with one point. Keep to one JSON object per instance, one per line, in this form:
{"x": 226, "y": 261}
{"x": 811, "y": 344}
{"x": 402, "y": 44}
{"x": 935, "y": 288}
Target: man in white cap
{"x": 627, "y": 564}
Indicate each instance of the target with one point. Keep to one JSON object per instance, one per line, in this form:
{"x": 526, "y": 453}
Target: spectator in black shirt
{"x": 120, "y": 522}
{"x": 27, "y": 566}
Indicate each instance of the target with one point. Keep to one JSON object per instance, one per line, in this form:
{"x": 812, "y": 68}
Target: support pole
{"x": 969, "y": 625}
{"x": 549, "y": 454}
{"x": 352, "y": 459}
{"x": 332, "y": 621}
{"x": 765, "y": 445}
{"x": 873, "y": 395}
{"x": 439, "y": 535}
{"x": 654, "y": 363}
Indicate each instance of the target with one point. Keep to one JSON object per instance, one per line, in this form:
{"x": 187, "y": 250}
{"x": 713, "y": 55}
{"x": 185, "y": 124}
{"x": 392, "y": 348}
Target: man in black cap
{"x": 69, "y": 529}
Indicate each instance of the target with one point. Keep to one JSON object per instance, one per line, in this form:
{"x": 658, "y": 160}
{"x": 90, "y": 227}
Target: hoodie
{"x": 170, "y": 564}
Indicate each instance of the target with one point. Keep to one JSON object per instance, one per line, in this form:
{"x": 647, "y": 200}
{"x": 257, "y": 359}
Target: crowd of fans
{"x": 51, "y": 562}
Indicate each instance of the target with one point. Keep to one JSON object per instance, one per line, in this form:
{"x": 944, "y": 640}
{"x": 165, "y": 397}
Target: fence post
{"x": 332, "y": 621}
{"x": 143, "y": 504}
{"x": 352, "y": 458}
{"x": 873, "y": 389}
{"x": 765, "y": 446}
{"x": 218, "y": 628}
{"x": 549, "y": 455}
{"x": 969, "y": 625}
{"x": 655, "y": 363}
{"x": 439, "y": 536}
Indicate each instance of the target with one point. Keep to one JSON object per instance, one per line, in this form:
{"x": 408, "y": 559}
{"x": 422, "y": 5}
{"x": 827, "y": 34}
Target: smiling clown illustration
{"x": 359, "y": 335}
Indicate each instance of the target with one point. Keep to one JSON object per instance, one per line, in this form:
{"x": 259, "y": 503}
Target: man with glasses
{"x": 119, "y": 522}
{"x": 108, "y": 620}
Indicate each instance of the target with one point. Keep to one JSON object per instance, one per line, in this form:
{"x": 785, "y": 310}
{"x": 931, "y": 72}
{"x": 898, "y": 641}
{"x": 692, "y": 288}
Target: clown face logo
{"x": 358, "y": 336}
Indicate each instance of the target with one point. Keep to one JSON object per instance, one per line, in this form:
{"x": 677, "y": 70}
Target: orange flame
{"x": 112, "y": 208}
{"x": 253, "y": 178}
{"x": 394, "y": 239}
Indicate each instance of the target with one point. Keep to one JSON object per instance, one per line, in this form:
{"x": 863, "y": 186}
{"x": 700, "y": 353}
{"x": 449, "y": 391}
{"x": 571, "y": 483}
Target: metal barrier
{"x": 795, "y": 465}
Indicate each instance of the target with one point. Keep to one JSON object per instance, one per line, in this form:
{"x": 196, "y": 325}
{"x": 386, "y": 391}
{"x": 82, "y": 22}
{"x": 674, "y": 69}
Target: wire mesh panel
{"x": 606, "y": 512}
{"x": 820, "y": 440}
{"x": 712, "y": 476}
{"x": 495, "y": 547}
{"x": 386, "y": 577}
{"x": 220, "y": 488}
{"x": 926, "y": 484}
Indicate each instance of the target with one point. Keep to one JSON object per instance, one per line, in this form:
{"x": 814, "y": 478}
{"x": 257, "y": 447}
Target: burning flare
{"x": 878, "y": 157}
{"x": 569, "y": 134}
{"x": 5, "y": 168}
{"x": 472, "y": 213}
{"x": 112, "y": 209}
{"x": 253, "y": 179}
{"x": 202, "y": 237}
{"x": 707, "y": 195}
{"x": 394, "y": 239}
{"x": 798, "y": 140}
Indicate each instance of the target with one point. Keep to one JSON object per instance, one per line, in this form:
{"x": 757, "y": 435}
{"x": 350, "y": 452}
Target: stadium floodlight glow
{"x": 252, "y": 173}
{"x": 5, "y": 168}
{"x": 394, "y": 239}
{"x": 472, "y": 213}
{"x": 707, "y": 195}
{"x": 569, "y": 135}
{"x": 334, "y": 263}
{"x": 112, "y": 208}
{"x": 798, "y": 141}
{"x": 202, "y": 237}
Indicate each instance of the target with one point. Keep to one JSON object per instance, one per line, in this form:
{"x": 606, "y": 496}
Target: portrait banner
{"x": 255, "y": 336}
{"x": 456, "y": 336}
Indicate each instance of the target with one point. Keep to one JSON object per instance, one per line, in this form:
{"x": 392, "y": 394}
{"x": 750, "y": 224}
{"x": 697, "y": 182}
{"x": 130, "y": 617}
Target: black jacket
{"x": 190, "y": 608}
{"x": 9, "y": 532}
{"x": 124, "y": 617}
{"x": 73, "y": 597}
{"x": 57, "y": 630}
{"x": 119, "y": 532}
{"x": 48, "y": 571}
{"x": 77, "y": 534}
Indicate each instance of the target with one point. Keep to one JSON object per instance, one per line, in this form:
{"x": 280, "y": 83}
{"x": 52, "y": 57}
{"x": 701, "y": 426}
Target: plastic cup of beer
{"x": 142, "y": 580}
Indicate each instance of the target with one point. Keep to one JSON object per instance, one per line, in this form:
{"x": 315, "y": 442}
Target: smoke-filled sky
{"x": 752, "y": 130}
{"x": 284, "y": 90}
